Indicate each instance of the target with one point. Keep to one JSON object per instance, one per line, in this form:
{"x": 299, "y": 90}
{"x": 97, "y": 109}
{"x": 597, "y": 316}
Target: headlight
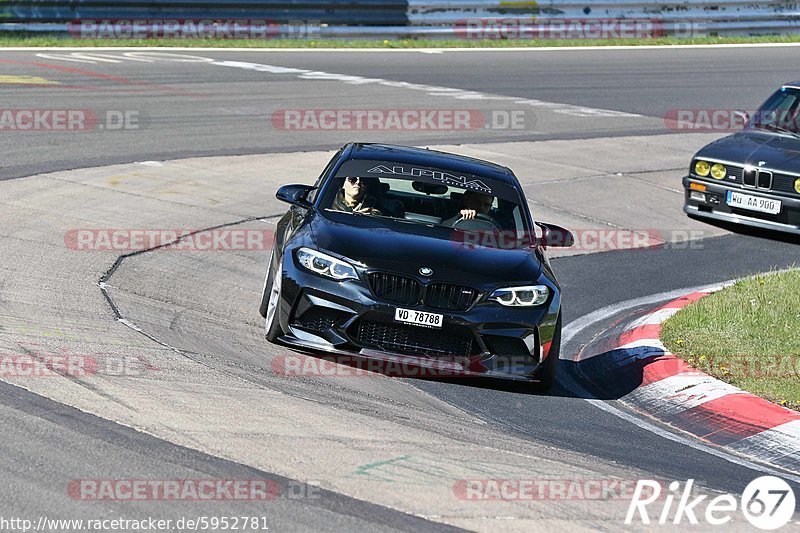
{"x": 527, "y": 296}
{"x": 717, "y": 171}
{"x": 702, "y": 168}
{"x": 325, "y": 265}
{"x": 797, "y": 185}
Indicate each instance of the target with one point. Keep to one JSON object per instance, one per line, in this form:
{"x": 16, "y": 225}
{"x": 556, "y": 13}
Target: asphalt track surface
{"x": 194, "y": 110}
{"x": 36, "y": 426}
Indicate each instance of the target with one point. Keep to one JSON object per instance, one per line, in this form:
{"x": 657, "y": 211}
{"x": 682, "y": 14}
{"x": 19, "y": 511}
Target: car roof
{"x": 792, "y": 84}
{"x": 431, "y": 158}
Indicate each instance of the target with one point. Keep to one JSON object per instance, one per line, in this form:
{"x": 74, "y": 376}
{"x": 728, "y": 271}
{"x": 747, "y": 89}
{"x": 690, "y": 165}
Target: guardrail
{"x": 715, "y": 17}
{"x": 450, "y": 19}
{"x": 338, "y": 12}
{"x": 451, "y": 11}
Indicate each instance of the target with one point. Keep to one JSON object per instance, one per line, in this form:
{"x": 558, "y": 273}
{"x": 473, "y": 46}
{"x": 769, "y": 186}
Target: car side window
{"x": 312, "y": 196}
{"x": 518, "y": 224}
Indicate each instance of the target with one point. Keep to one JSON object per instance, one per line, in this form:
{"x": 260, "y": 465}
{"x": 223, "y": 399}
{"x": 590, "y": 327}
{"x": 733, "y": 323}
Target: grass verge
{"x": 9, "y": 39}
{"x": 747, "y": 335}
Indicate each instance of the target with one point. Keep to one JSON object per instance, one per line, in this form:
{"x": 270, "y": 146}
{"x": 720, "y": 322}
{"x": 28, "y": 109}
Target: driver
{"x": 472, "y": 204}
{"x": 353, "y": 198}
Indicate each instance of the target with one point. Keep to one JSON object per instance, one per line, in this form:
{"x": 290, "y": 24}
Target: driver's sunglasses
{"x": 354, "y": 179}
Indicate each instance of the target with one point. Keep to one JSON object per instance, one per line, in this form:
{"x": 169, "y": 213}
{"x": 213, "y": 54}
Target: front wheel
{"x": 272, "y": 322}
{"x": 547, "y": 374}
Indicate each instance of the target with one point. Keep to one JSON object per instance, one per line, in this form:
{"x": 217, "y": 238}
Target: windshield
{"x": 779, "y": 112}
{"x": 427, "y": 196}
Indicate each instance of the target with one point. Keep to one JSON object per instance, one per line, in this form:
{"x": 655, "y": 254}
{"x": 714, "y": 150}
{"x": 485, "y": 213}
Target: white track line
{"x": 430, "y": 90}
{"x": 306, "y": 74}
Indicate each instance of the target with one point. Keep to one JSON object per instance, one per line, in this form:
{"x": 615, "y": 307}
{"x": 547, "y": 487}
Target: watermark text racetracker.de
{"x": 575, "y": 28}
{"x": 69, "y": 120}
{"x": 401, "y": 119}
{"x": 584, "y": 239}
{"x": 716, "y": 119}
{"x": 545, "y": 489}
{"x": 196, "y": 490}
{"x": 741, "y": 366}
{"x": 345, "y": 366}
{"x": 218, "y": 28}
{"x": 168, "y": 239}
{"x": 48, "y": 364}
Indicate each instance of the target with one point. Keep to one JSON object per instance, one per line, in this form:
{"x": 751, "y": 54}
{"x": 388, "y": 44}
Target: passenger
{"x": 353, "y": 198}
{"x": 472, "y": 204}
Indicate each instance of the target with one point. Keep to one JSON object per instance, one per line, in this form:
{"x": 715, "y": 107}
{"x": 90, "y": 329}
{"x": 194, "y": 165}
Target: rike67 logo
{"x": 768, "y": 503}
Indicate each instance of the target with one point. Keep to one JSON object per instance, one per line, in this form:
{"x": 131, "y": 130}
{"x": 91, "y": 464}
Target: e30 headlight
{"x": 718, "y": 171}
{"x": 702, "y": 168}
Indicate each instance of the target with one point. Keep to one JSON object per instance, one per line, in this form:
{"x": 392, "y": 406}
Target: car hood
{"x": 751, "y": 147}
{"x": 384, "y": 244}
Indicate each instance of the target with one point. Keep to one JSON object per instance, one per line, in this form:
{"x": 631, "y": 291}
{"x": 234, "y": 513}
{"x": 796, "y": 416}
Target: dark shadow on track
{"x": 603, "y": 377}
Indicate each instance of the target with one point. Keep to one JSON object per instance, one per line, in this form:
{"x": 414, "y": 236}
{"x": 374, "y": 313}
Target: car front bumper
{"x": 716, "y": 208}
{"x": 345, "y": 318}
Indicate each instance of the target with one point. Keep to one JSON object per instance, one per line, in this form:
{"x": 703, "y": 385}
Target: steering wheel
{"x": 480, "y": 222}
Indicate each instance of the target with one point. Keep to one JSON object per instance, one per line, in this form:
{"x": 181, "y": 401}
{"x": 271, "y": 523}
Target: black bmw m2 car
{"x": 752, "y": 177}
{"x": 423, "y": 257}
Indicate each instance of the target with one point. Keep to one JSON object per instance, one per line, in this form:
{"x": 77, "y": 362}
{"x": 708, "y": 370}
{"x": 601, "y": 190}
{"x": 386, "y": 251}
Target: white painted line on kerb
{"x": 578, "y": 325}
{"x": 684, "y": 391}
{"x": 655, "y": 344}
{"x": 656, "y": 317}
{"x": 777, "y": 443}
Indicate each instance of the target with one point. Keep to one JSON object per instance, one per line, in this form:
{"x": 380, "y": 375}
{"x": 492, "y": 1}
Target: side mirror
{"x": 295, "y": 195}
{"x": 555, "y": 236}
{"x": 744, "y": 116}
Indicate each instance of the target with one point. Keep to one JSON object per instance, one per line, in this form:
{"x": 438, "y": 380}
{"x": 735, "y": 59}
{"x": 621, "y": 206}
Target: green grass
{"x": 747, "y": 335}
{"x": 8, "y": 39}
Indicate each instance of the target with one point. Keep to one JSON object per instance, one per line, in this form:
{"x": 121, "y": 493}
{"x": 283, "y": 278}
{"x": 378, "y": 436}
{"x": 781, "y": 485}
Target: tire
{"x": 547, "y": 374}
{"x": 272, "y": 298}
{"x": 262, "y": 308}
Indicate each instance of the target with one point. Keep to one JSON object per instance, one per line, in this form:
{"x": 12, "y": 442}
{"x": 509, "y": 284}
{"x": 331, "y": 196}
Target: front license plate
{"x": 753, "y": 203}
{"x": 418, "y": 318}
